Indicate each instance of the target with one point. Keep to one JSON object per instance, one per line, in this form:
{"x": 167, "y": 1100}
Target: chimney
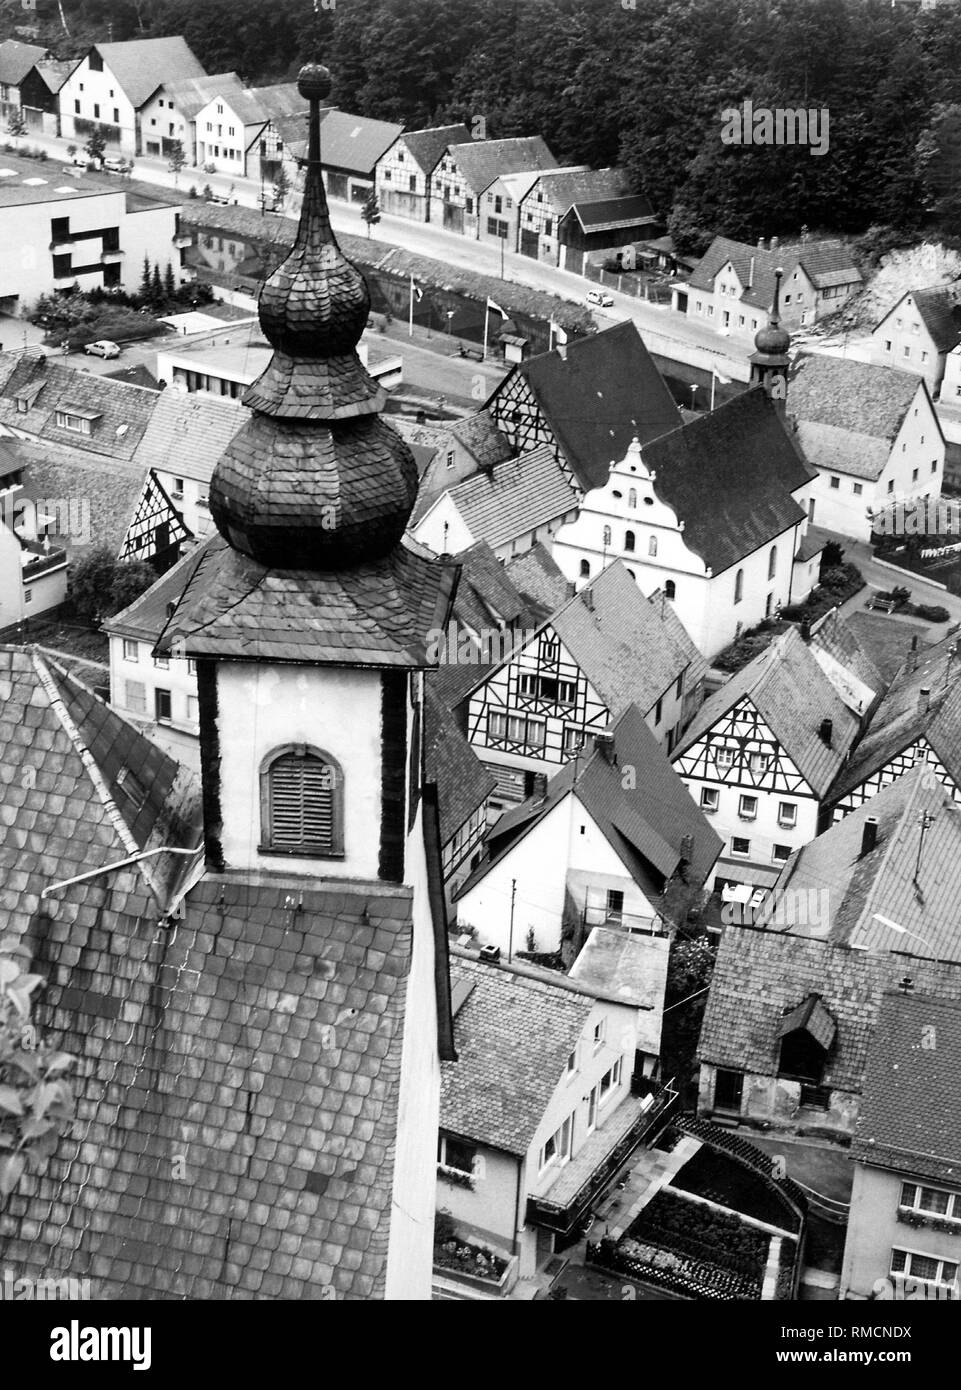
{"x": 490, "y": 953}
{"x": 687, "y": 848}
{"x": 869, "y": 835}
{"x": 772, "y": 244}
{"x": 588, "y": 598}
{"x": 604, "y": 744}
{"x": 913, "y": 659}
{"x": 924, "y": 699}
{"x": 750, "y": 276}
{"x": 826, "y": 731}
{"x": 906, "y": 985}
{"x": 760, "y": 243}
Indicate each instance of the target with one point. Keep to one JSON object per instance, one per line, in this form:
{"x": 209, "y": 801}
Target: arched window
{"x": 628, "y": 540}
{"x": 652, "y": 546}
{"x": 670, "y": 588}
{"x": 632, "y": 498}
{"x": 585, "y": 570}
{"x": 739, "y": 586}
{"x": 607, "y": 535}
{"x": 772, "y": 562}
{"x": 302, "y": 802}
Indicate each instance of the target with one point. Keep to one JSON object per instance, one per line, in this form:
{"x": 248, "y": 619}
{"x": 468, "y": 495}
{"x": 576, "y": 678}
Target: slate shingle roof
{"x": 122, "y": 410}
{"x": 193, "y": 93}
{"x": 463, "y": 782}
{"x": 842, "y": 451}
{"x": 16, "y": 60}
{"x": 427, "y": 146}
{"x": 480, "y": 162}
{"x": 187, "y": 433}
{"x": 146, "y": 618}
{"x": 538, "y": 578}
{"x": 833, "y": 637}
{"x": 729, "y": 476}
{"x": 608, "y": 214}
{"x": 481, "y": 438}
{"x": 281, "y": 101}
{"x": 142, "y": 65}
{"x": 762, "y": 975}
{"x": 602, "y": 392}
{"x": 513, "y": 1035}
{"x": 906, "y": 1120}
{"x": 517, "y": 496}
{"x": 854, "y": 396}
{"x": 826, "y": 263}
{"x": 940, "y": 310}
{"x": 793, "y": 695}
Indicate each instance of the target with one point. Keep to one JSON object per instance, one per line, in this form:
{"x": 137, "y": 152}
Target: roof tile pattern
{"x": 480, "y": 162}
{"x": 141, "y": 65}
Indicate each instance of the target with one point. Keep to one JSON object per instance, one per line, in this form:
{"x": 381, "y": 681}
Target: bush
{"x": 930, "y": 612}
{"x": 100, "y": 585}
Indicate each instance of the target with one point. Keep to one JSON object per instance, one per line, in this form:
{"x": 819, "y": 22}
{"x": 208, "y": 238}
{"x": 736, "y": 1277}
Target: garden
{"x": 460, "y": 1256}
{"x": 78, "y": 317}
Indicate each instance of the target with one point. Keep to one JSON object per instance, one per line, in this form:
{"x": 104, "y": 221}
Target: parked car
{"x": 113, "y": 164}
{"x": 102, "y": 348}
{"x": 601, "y": 297}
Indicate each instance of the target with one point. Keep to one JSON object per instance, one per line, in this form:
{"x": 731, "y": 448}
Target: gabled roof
{"x": 536, "y": 575}
{"x": 16, "y": 60}
{"x": 463, "y": 782}
{"x": 903, "y": 717}
{"x": 142, "y": 65}
{"x": 519, "y": 495}
{"x": 479, "y": 435}
{"x": 427, "y": 146}
{"x": 793, "y": 696}
{"x": 376, "y": 614}
{"x": 832, "y": 636}
{"x": 940, "y": 310}
{"x": 563, "y": 187}
{"x": 631, "y": 969}
{"x": 729, "y": 476}
{"x": 811, "y": 1017}
{"x": 280, "y": 101}
{"x": 597, "y": 393}
{"x": 188, "y": 432}
{"x": 854, "y": 396}
{"x": 646, "y": 824}
{"x": 908, "y": 878}
{"x": 513, "y": 1035}
{"x": 914, "y": 1065}
{"x": 611, "y": 214}
{"x": 825, "y": 262}
{"x": 355, "y": 143}
{"x": 121, "y": 411}
{"x": 760, "y": 976}
{"x": 191, "y": 94}
{"x": 99, "y": 495}
{"x": 54, "y": 73}
{"x": 485, "y": 595}
{"x": 148, "y": 615}
{"x": 480, "y": 162}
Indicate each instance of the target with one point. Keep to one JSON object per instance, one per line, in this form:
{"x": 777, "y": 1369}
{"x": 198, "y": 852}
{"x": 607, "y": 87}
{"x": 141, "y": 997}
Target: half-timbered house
{"x": 575, "y": 674}
{"x": 550, "y": 197}
{"x": 597, "y": 848}
{"x": 586, "y": 401}
{"x": 917, "y": 722}
{"x": 711, "y": 515}
{"x": 761, "y": 754}
{"x": 460, "y": 182}
{"x": 463, "y": 787}
{"x": 607, "y": 224}
{"x": 403, "y": 174}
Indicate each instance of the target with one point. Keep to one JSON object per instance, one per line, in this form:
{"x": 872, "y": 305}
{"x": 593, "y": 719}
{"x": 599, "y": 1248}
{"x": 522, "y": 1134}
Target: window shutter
{"x": 302, "y": 803}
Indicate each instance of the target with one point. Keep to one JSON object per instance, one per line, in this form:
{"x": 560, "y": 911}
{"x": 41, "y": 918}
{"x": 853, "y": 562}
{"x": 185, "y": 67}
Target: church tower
{"x": 770, "y": 358}
{"x": 309, "y": 618}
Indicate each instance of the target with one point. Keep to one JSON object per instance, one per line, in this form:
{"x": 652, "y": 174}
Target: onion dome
{"x": 315, "y": 479}
{"x": 772, "y": 340}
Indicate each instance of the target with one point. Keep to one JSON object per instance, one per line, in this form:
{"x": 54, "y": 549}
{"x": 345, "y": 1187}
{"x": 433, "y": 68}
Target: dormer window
{"x": 73, "y": 417}
{"x": 302, "y": 793}
{"x": 807, "y": 1035}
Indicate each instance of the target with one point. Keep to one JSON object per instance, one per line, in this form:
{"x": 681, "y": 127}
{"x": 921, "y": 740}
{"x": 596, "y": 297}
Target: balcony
{"x": 182, "y": 240}
{"x": 624, "y": 921}
{"x": 36, "y": 560}
{"x": 113, "y": 256}
{"x": 582, "y": 1182}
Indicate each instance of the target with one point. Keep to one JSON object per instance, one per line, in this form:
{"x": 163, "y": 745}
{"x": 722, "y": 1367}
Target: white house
{"x": 872, "y": 434}
{"x": 170, "y": 114}
{"x": 227, "y": 133}
{"x": 460, "y": 186}
{"x": 599, "y": 847}
{"x": 919, "y": 332}
{"x": 712, "y": 516}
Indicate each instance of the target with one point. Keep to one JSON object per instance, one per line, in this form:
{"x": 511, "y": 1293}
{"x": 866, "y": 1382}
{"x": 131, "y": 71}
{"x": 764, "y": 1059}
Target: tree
{"x": 370, "y": 212}
{"x": 177, "y": 159}
{"x": 156, "y": 287}
{"x": 143, "y": 292}
{"x": 101, "y": 585}
{"x": 281, "y": 188}
{"x": 170, "y": 285}
{"x": 16, "y": 125}
{"x": 689, "y": 971}
{"x": 131, "y": 579}
{"x": 71, "y": 151}
{"x": 96, "y": 144}
{"x": 36, "y": 1100}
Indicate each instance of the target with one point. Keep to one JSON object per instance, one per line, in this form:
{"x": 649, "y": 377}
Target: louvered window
{"x": 303, "y": 791}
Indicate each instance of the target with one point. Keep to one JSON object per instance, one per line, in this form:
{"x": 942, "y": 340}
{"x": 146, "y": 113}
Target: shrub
{"x": 100, "y": 585}
{"x": 930, "y": 612}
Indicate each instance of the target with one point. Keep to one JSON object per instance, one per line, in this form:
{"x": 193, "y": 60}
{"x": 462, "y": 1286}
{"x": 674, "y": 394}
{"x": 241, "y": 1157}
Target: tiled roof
{"x": 833, "y": 637}
{"x": 148, "y": 615}
{"x": 535, "y": 575}
{"x": 608, "y": 214}
{"x": 517, "y": 496}
{"x": 940, "y": 310}
{"x": 485, "y": 595}
{"x": 631, "y": 969}
{"x": 826, "y": 263}
{"x": 645, "y": 824}
{"x": 355, "y": 142}
{"x": 427, "y": 146}
{"x": 463, "y": 782}
{"x": 564, "y": 187}
{"x": 762, "y": 975}
{"x": 793, "y": 696}
{"x": 187, "y": 433}
{"x": 94, "y": 490}
{"x": 729, "y": 476}
{"x": 843, "y": 451}
{"x": 191, "y": 94}
{"x": 142, "y": 65}
{"x": 480, "y": 162}
{"x": 55, "y": 74}
{"x": 481, "y": 438}
{"x": 281, "y": 101}
{"x": 597, "y": 396}
{"x": 631, "y": 647}
{"x": 914, "y": 1066}
{"x": 16, "y": 60}
{"x": 908, "y": 878}
{"x": 121, "y": 411}
{"x": 379, "y": 613}
{"x": 513, "y": 1035}
{"x": 857, "y": 397}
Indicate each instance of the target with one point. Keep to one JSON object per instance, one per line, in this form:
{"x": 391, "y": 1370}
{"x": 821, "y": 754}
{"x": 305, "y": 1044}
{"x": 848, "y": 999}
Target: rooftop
{"x": 856, "y": 397}
{"x": 632, "y": 969}
{"x": 517, "y": 496}
{"x": 463, "y": 782}
{"x": 480, "y": 162}
{"x": 141, "y": 65}
{"x": 825, "y": 262}
{"x": 940, "y": 310}
{"x": 427, "y": 146}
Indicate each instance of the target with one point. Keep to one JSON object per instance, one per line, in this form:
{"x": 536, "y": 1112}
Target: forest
{"x": 641, "y": 83}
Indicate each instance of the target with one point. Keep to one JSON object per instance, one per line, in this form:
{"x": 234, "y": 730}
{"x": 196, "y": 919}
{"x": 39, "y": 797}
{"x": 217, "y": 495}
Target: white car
{"x": 102, "y": 348}
{"x": 601, "y": 297}
{"x": 114, "y": 165}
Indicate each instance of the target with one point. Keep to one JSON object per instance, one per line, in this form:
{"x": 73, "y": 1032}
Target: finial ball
{"x": 313, "y": 81}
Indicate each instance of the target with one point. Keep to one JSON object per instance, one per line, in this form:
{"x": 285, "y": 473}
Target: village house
{"x": 600, "y": 846}
{"x": 169, "y": 117}
{"x": 549, "y": 1095}
{"x": 351, "y": 147}
{"x": 586, "y": 400}
{"x": 919, "y": 332}
{"x": 113, "y": 82}
{"x": 30, "y": 81}
{"x": 732, "y": 287}
{"x": 228, "y": 128}
{"x": 903, "y": 1236}
{"x": 872, "y": 434}
{"x": 550, "y": 196}
{"x": 685, "y": 514}
{"x": 457, "y": 451}
{"x": 607, "y": 224}
{"x": 917, "y": 723}
{"x": 403, "y": 174}
{"x": 33, "y": 570}
{"x": 463, "y": 787}
{"x": 762, "y": 753}
{"x": 461, "y": 182}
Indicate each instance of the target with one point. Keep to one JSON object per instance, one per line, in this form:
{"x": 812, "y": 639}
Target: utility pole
{"x": 510, "y": 937}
